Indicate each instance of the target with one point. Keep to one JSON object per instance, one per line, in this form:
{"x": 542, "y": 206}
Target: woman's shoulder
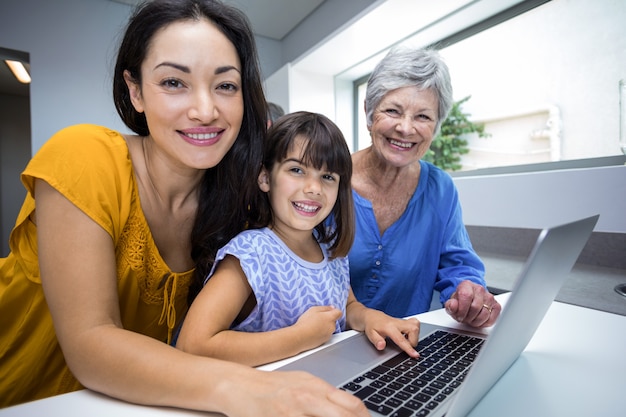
{"x": 90, "y": 166}
{"x": 79, "y": 152}
{"x": 438, "y": 185}
{"x": 436, "y": 175}
{"x": 86, "y": 137}
{"x": 432, "y": 170}
{"x": 86, "y": 145}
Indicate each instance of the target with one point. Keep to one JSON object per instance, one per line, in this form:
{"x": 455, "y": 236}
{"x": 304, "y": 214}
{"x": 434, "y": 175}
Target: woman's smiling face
{"x": 403, "y": 125}
{"x": 191, "y": 93}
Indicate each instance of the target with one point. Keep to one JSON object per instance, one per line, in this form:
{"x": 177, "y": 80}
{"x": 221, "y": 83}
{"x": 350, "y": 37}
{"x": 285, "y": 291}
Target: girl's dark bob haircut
{"x": 325, "y": 147}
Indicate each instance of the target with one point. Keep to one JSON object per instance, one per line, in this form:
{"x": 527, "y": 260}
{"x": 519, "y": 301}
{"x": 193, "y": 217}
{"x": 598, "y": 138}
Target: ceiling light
{"x": 18, "y": 69}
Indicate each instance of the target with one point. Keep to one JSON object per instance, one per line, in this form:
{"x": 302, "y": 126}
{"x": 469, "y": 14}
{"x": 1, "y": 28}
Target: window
{"x": 545, "y": 83}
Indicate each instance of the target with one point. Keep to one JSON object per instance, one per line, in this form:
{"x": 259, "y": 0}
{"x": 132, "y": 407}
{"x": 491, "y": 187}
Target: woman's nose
{"x": 203, "y": 107}
{"x": 405, "y": 124}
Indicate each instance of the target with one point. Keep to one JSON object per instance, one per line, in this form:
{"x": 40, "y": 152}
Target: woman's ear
{"x": 134, "y": 91}
{"x": 264, "y": 180}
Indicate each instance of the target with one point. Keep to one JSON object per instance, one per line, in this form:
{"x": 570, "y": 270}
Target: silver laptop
{"x": 456, "y": 368}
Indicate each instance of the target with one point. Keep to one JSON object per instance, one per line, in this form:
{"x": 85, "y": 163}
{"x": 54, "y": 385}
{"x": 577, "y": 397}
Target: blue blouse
{"x": 426, "y": 249}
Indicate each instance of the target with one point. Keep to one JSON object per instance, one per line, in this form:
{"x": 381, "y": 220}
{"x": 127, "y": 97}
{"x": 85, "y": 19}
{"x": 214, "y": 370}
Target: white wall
{"x": 71, "y": 45}
{"x": 276, "y": 90}
{"x": 540, "y": 199}
{"x": 270, "y": 55}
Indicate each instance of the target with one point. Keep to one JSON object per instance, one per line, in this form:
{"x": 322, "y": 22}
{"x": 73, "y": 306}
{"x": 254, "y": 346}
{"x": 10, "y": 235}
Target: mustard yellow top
{"x": 91, "y": 166}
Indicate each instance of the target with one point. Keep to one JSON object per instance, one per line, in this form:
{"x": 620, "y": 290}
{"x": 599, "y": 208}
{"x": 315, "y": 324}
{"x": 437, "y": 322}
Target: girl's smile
{"x": 301, "y": 196}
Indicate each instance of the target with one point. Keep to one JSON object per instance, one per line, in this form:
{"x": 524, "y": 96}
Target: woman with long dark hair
{"x": 114, "y": 227}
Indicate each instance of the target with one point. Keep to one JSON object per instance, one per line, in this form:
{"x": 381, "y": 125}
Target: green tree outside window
{"x": 448, "y": 146}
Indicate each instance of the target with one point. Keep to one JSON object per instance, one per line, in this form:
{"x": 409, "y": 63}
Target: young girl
{"x": 282, "y": 289}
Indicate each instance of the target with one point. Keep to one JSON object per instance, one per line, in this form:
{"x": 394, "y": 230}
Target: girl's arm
{"x": 205, "y": 330}
{"x": 78, "y": 273}
{"x": 378, "y": 326}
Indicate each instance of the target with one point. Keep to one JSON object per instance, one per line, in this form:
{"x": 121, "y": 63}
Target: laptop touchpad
{"x": 339, "y": 362}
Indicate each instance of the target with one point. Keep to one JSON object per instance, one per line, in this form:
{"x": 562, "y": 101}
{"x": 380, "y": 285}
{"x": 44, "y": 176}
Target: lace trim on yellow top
{"x": 157, "y": 284}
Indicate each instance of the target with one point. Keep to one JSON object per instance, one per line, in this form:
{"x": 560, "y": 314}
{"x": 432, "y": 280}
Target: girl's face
{"x": 403, "y": 125}
{"x": 301, "y": 196}
{"x": 190, "y": 93}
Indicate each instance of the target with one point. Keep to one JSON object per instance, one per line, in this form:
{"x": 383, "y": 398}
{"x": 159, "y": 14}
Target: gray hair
{"x": 405, "y": 67}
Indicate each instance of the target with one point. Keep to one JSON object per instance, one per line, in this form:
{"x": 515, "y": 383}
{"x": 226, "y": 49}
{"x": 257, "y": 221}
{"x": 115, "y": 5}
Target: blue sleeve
{"x": 458, "y": 261}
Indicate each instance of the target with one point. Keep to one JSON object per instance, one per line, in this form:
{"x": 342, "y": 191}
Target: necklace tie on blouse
{"x": 168, "y": 314}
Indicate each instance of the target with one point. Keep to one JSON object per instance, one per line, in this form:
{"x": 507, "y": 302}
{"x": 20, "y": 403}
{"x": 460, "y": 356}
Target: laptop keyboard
{"x": 404, "y": 386}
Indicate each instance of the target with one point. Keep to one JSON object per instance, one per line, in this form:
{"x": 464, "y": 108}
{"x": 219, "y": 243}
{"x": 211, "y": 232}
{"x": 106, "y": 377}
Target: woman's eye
{"x": 392, "y": 112}
{"x": 229, "y": 87}
{"x": 171, "y": 83}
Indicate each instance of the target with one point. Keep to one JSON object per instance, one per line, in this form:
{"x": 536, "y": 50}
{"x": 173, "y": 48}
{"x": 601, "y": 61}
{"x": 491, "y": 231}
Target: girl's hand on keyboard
{"x": 378, "y": 326}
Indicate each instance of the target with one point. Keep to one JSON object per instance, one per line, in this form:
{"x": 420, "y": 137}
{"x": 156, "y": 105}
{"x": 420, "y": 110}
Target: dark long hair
{"x": 227, "y": 189}
{"x": 325, "y": 146}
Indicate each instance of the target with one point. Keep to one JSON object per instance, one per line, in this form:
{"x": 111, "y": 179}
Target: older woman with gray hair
{"x": 410, "y": 237}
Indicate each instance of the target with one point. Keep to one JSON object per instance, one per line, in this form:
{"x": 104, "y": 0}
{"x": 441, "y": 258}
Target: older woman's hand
{"x": 472, "y": 304}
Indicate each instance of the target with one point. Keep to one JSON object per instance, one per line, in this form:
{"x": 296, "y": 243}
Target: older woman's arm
{"x": 461, "y": 277}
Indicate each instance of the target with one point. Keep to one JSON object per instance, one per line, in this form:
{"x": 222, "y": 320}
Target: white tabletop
{"x": 573, "y": 366}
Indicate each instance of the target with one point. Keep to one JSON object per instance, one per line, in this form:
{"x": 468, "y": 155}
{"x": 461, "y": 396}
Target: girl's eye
{"x": 296, "y": 170}
{"x": 331, "y": 177}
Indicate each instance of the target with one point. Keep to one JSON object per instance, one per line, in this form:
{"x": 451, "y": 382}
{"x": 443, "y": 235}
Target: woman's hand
{"x": 299, "y": 394}
{"x": 472, "y": 304}
{"x": 282, "y": 394}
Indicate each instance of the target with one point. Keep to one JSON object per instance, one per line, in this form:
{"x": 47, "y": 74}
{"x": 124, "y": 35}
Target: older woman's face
{"x": 403, "y": 125}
